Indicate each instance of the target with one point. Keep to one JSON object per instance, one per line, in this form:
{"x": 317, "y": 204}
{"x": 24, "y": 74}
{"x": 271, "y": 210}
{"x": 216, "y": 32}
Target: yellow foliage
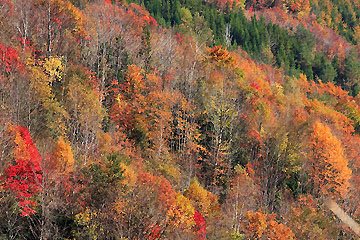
{"x": 129, "y": 181}
{"x": 240, "y": 4}
{"x": 42, "y": 75}
{"x": 104, "y": 144}
{"x": 53, "y": 67}
{"x": 129, "y": 174}
{"x": 202, "y": 199}
{"x": 82, "y": 101}
{"x": 171, "y": 171}
{"x": 88, "y": 220}
{"x": 64, "y": 160}
{"x": 181, "y": 213}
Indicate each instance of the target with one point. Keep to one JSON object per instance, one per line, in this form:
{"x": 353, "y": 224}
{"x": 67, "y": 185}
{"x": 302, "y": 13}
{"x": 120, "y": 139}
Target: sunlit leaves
{"x": 221, "y": 56}
{"x": 329, "y": 168}
{"x": 124, "y": 137}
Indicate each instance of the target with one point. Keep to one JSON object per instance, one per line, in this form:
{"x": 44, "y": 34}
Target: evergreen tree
{"x": 351, "y": 72}
{"x": 323, "y": 68}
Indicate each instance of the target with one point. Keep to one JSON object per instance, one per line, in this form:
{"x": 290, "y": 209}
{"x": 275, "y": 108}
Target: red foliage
{"x": 10, "y": 6}
{"x": 141, "y": 14}
{"x": 27, "y": 44}
{"x": 24, "y": 177}
{"x": 293, "y": 7}
{"x": 200, "y": 226}
{"x": 257, "y": 87}
{"x": 155, "y": 232}
{"x": 178, "y": 36}
{"x": 9, "y": 59}
{"x": 130, "y": 102}
{"x": 166, "y": 194}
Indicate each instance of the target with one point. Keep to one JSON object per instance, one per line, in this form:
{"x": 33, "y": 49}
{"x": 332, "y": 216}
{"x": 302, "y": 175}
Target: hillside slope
{"x": 181, "y": 119}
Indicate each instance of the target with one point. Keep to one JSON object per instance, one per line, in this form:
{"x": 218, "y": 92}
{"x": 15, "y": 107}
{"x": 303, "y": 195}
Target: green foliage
{"x": 102, "y": 180}
{"x": 323, "y": 69}
{"x": 294, "y": 52}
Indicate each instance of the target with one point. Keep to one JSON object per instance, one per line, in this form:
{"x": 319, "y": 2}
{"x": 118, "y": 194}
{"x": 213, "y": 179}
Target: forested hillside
{"x": 179, "y": 119}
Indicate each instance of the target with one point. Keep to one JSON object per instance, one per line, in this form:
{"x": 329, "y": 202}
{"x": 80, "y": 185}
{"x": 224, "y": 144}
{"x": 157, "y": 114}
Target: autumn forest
{"x": 179, "y": 119}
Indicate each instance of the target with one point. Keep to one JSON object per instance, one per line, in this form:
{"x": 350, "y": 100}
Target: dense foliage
{"x": 182, "y": 119}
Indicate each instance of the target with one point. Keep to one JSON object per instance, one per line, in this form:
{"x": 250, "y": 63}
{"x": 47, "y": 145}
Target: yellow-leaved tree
{"x": 43, "y": 75}
{"x": 63, "y": 156}
{"x": 202, "y": 199}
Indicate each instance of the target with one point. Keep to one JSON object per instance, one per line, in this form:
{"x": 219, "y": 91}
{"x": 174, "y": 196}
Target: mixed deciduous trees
{"x": 114, "y": 125}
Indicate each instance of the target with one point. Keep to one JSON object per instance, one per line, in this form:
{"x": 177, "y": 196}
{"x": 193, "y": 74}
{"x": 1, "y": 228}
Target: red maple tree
{"x": 24, "y": 175}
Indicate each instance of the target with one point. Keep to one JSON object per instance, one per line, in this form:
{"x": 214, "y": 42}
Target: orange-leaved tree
{"x": 329, "y": 169}
{"x": 162, "y": 210}
{"x": 263, "y": 226}
{"x": 63, "y": 156}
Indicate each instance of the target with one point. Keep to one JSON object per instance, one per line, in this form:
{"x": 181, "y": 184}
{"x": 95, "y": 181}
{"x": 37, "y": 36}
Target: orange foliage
{"x": 329, "y": 168}
{"x": 181, "y": 213}
{"x": 177, "y": 207}
{"x": 221, "y": 56}
{"x": 63, "y": 156}
{"x": 301, "y": 7}
{"x": 65, "y": 22}
{"x": 146, "y": 104}
{"x": 329, "y": 114}
{"x": 131, "y": 102}
{"x": 75, "y": 18}
{"x": 308, "y": 221}
{"x": 261, "y": 224}
{"x": 166, "y": 195}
